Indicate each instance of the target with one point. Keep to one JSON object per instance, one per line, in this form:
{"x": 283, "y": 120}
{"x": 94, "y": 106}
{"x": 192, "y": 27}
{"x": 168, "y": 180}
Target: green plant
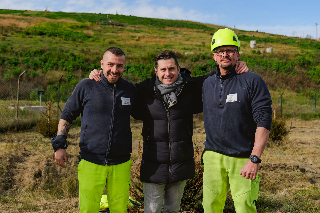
{"x": 67, "y": 31}
{"x": 193, "y": 58}
{"x": 192, "y": 195}
{"x": 278, "y": 130}
{"x": 48, "y": 124}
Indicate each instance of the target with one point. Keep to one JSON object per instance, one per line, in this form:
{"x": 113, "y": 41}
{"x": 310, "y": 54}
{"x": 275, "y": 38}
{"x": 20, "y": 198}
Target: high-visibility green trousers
{"x": 222, "y": 173}
{"x": 93, "y": 178}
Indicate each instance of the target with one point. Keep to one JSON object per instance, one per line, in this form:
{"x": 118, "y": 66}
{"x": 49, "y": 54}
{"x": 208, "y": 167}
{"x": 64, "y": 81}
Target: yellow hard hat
{"x": 224, "y": 37}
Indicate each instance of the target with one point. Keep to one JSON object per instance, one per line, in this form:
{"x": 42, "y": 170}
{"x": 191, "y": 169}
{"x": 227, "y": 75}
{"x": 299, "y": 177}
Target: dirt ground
{"x": 300, "y": 152}
{"x": 293, "y": 166}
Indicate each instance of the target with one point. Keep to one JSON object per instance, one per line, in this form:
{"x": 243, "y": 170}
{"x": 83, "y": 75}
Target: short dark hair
{"x": 116, "y": 51}
{"x": 166, "y": 54}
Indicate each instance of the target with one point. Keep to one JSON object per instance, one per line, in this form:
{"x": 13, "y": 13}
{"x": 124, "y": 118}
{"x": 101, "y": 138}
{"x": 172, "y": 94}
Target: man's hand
{"x": 61, "y": 156}
{"x": 95, "y": 75}
{"x": 249, "y": 170}
{"x": 241, "y": 67}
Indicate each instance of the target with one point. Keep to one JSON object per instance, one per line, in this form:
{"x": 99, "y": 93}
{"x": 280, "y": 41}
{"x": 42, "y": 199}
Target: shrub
{"x": 67, "y": 31}
{"x": 278, "y": 130}
{"x": 255, "y": 52}
{"x": 192, "y": 195}
{"x": 193, "y": 58}
{"x": 136, "y": 189}
{"x": 48, "y": 125}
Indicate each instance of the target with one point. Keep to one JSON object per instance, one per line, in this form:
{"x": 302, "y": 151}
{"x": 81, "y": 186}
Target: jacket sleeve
{"x": 198, "y": 105}
{"x": 261, "y": 103}
{"x": 137, "y": 107}
{"x": 76, "y": 102}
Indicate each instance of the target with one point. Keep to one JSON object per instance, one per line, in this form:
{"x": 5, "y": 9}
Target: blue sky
{"x": 290, "y": 18}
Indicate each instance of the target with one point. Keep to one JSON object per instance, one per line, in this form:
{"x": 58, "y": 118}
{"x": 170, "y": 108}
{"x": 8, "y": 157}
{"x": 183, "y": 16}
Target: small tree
{"x": 48, "y": 124}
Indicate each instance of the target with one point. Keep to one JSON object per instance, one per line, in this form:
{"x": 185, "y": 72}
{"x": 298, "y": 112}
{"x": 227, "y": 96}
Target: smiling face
{"x": 224, "y": 60}
{"x": 167, "y": 71}
{"x": 113, "y": 66}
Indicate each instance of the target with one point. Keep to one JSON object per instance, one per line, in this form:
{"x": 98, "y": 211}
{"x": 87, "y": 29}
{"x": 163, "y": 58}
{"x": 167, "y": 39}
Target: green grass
{"x": 104, "y": 18}
{"x": 49, "y": 50}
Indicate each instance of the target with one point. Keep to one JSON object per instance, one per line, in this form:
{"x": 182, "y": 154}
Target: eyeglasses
{"x": 227, "y": 51}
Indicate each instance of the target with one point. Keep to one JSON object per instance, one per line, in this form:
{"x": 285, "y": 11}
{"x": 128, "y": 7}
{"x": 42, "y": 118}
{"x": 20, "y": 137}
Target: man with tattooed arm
{"x": 105, "y": 138}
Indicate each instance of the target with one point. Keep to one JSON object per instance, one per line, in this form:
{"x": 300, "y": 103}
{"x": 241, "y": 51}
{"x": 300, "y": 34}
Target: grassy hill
{"x": 72, "y": 43}
{"x": 59, "y": 49}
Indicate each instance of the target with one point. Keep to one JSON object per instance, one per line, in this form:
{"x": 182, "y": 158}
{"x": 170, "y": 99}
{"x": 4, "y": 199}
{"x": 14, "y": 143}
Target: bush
{"x": 193, "y": 58}
{"x": 48, "y": 128}
{"x": 278, "y": 130}
{"x": 67, "y": 31}
{"x": 192, "y": 195}
{"x": 48, "y": 125}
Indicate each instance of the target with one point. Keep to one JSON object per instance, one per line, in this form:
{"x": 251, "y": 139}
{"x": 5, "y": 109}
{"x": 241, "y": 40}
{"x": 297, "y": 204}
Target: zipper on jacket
{"x": 112, "y": 121}
{"x": 170, "y": 151}
{"x": 170, "y": 159}
{"x": 181, "y": 89}
{"x": 168, "y": 117}
{"x": 221, "y": 90}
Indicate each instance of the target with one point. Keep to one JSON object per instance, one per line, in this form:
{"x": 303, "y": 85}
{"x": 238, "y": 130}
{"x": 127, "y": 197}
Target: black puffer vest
{"x": 167, "y": 132}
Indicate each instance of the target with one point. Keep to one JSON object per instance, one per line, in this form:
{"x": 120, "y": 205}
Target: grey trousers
{"x": 165, "y": 197}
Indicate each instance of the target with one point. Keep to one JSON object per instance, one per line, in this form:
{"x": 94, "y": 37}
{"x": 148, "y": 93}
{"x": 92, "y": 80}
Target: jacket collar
{"x": 230, "y": 74}
{"x": 105, "y": 81}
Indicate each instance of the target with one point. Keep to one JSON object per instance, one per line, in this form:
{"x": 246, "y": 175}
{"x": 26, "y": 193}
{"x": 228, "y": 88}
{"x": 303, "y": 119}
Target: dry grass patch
{"x": 290, "y": 173}
{"x": 182, "y": 29}
{"x": 25, "y": 22}
{"x": 153, "y": 40}
{"x": 89, "y": 32}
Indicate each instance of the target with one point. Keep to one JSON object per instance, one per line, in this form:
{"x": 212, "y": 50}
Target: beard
{"x": 117, "y": 74}
{"x": 113, "y": 77}
{"x": 226, "y": 66}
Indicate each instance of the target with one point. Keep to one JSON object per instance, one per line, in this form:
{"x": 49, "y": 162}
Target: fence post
{"x": 17, "y": 111}
{"x": 315, "y": 101}
{"x": 281, "y": 103}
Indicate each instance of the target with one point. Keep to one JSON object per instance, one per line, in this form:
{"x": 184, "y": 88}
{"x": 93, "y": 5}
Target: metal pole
{"x": 315, "y": 101}
{"x": 17, "y": 114}
{"x": 281, "y": 102}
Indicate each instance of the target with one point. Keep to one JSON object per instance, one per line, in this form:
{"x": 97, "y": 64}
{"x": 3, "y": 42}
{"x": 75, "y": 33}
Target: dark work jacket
{"x": 105, "y": 109}
{"x": 167, "y": 132}
{"x": 233, "y": 107}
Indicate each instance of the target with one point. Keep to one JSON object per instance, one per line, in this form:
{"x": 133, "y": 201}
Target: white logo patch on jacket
{"x": 125, "y": 101}
{"x": 232, "y": 98}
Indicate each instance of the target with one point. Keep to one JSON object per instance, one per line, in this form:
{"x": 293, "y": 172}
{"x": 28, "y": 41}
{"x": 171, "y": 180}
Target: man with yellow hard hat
{"x": 237, "y": 120}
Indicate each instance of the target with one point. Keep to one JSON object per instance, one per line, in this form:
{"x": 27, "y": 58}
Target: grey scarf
{"x": 168, "y": 91}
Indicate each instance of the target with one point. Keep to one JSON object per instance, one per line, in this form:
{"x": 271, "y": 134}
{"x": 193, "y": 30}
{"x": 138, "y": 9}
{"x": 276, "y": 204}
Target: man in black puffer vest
{"x": 167, "y": 103}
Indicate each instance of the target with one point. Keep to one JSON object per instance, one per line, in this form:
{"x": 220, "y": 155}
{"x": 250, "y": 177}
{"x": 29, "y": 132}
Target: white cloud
{"x": 142, "y": 8}
{"x": 143, "y": 1}
{"x": 299, "y": 31}
{"x": 18, "y": 5}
